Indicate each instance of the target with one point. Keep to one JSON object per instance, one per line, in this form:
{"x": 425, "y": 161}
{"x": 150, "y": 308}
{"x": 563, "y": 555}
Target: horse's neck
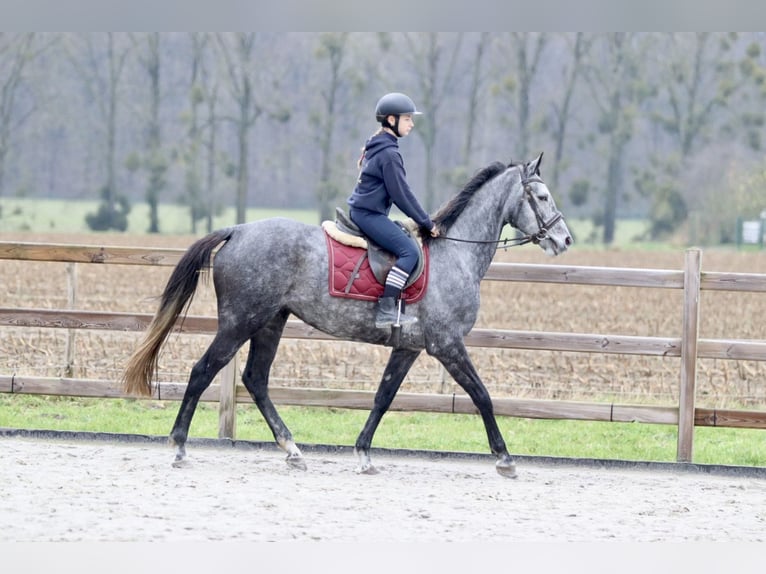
{"x": 483, "y": 220}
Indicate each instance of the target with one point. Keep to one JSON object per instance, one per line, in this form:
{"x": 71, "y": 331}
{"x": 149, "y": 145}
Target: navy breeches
{"x": 389, "y": 236}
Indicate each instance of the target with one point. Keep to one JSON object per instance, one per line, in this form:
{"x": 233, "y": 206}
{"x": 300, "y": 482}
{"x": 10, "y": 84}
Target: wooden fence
{"x": 688, "y": 347}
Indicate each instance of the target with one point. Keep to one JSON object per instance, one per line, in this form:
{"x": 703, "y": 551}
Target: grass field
{"x": 507, "y": 373}
{"x": 68, "y": 216}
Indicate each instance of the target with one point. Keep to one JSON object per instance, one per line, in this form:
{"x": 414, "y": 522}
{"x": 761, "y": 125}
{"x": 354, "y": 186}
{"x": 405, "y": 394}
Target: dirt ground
{"x": 103, "y": 490}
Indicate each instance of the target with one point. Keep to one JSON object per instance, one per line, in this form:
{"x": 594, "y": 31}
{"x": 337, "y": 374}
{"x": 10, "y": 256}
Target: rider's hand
{"x": 435, "y": 231}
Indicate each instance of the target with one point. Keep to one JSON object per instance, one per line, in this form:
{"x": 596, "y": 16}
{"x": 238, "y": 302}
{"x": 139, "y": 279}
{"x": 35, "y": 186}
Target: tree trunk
{"x": 563, "y": 113}
{"x": 156, "y": 167}
{"x": 19, "y": 50}
{"x": 111, "y": 131}
{"x": 333, "y": 45}
{"x": 243, "y": 133}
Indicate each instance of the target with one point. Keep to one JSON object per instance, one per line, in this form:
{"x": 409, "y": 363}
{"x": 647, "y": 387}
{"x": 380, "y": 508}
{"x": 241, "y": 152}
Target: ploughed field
{"x": 346, "y": 365}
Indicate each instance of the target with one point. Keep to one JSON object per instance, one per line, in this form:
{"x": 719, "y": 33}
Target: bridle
{"x": 542, "y": 225}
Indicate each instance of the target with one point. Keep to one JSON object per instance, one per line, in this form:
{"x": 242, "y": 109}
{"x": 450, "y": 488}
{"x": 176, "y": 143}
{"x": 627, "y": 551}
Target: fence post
{"x": 227, "y": 405}
{"x": 689, "y": 338}
{"x": 71, "y": 283}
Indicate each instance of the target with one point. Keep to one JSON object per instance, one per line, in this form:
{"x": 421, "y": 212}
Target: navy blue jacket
{"x": 383, "y": 181}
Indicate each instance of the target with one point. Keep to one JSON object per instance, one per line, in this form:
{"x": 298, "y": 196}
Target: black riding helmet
{"x": 394, "y": 104}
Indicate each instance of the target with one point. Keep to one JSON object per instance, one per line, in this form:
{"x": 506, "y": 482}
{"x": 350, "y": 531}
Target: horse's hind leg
{"x": 399, "y": 364}
{"x": 263, "y": 349}
{"x": 218, "y": 354}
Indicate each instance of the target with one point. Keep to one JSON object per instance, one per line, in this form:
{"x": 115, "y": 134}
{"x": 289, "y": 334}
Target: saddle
{"x": 353, "y": 257}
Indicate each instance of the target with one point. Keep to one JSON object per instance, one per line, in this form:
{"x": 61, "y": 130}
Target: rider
{"x": 383, "y": 182}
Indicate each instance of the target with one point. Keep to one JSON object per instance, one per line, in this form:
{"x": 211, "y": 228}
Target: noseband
{"x": 542, "y": 225}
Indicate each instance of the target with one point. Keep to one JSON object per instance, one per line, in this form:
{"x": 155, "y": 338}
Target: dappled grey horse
{"x": 267, "y": 270}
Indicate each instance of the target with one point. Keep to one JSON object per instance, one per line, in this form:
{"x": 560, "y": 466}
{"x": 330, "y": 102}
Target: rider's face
{"x": 406, "y": 123}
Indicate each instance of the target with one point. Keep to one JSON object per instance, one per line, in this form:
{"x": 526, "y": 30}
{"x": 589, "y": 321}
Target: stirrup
{"x": 389, "y": 314}
{"x": 401, "y": 318}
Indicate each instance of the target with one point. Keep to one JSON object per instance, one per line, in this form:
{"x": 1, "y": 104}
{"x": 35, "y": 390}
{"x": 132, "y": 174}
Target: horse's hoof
{"x": 365, "y": 463}
{"x": 366, "y": 469}
{"x": 180, "y": 460}
{"x": 180, "y": 457}
{"x": 296, "y": 461}
{"x": 506, "y": 468}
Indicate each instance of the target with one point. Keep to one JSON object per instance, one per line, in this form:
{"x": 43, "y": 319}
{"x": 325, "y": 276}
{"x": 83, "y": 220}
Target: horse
{"x": 265, "y": 271}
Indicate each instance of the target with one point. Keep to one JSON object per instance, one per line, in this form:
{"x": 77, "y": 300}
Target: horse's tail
{"x": 142, "y": 365}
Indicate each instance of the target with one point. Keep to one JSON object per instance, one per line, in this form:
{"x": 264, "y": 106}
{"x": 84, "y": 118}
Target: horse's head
{"x": 536, "y": 214}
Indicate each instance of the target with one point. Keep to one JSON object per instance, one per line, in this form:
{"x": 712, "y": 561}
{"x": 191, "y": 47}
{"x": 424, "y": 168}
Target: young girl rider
{"x": 382, "y": 183}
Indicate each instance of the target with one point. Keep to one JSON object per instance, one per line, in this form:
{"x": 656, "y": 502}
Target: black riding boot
{"x": 386, "y": 312}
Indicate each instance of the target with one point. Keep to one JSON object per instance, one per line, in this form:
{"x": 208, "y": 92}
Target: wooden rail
{"x": 688, "y": 347}
{"x": 423, "y": 402}
{"x": 490, "y": 338}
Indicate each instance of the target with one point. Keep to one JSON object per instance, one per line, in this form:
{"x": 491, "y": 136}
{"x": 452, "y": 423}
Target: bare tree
{"x": 101, "y": 71}
{"x": 200, "y": 135}
{"x": 191, "y": 150}
{"x": 203, "y": 133}
{"x": 16, "y": 51}
{"x": 238, "y": 53}
{"x": 615, "y": 78}
{"x": 211, "y": 146}
{"x": 154, "y": 161}
{"x": 562, "y": 108}
{"x": 697, "y": 77}
{"x": 434, "y": 58}
{"x": 527, "y": 48}
{"x": 333, "y": 47}
{"x": 704, "y": 82}
{"x": 474, "y": 96}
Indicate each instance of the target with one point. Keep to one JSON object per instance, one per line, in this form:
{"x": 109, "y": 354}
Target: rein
{"x": 543, "y": 226}
{"x": 506, "y": 243}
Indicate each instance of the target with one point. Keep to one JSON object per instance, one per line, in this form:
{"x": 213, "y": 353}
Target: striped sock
{"x": 395, "y": 282}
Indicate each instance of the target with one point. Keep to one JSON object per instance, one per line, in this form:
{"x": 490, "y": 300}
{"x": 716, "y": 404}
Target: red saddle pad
{"x": 364, "y": 286}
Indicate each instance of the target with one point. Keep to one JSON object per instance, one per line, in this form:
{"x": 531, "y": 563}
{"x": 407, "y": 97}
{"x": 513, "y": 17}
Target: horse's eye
{"x": 542, "y": 197}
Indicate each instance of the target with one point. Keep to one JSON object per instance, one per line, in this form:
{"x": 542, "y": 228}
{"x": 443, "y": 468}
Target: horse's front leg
{"x": 455, "y": 359}
{"x": 399, "y": 364}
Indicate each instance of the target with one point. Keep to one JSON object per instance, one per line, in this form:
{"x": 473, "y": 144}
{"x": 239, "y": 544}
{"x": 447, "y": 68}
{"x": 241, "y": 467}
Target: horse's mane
{"x": 450, "y": 211}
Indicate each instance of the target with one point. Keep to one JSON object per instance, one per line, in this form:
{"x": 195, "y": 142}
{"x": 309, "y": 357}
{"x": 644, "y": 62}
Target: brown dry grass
{"x": 533, "y": 374}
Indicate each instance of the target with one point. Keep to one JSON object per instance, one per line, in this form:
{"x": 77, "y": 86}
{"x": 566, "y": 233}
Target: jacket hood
{"x": 378, "y": 143}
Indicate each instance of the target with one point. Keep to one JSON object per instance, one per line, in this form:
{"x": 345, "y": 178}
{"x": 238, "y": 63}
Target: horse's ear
{"x": 533, "y": 167}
